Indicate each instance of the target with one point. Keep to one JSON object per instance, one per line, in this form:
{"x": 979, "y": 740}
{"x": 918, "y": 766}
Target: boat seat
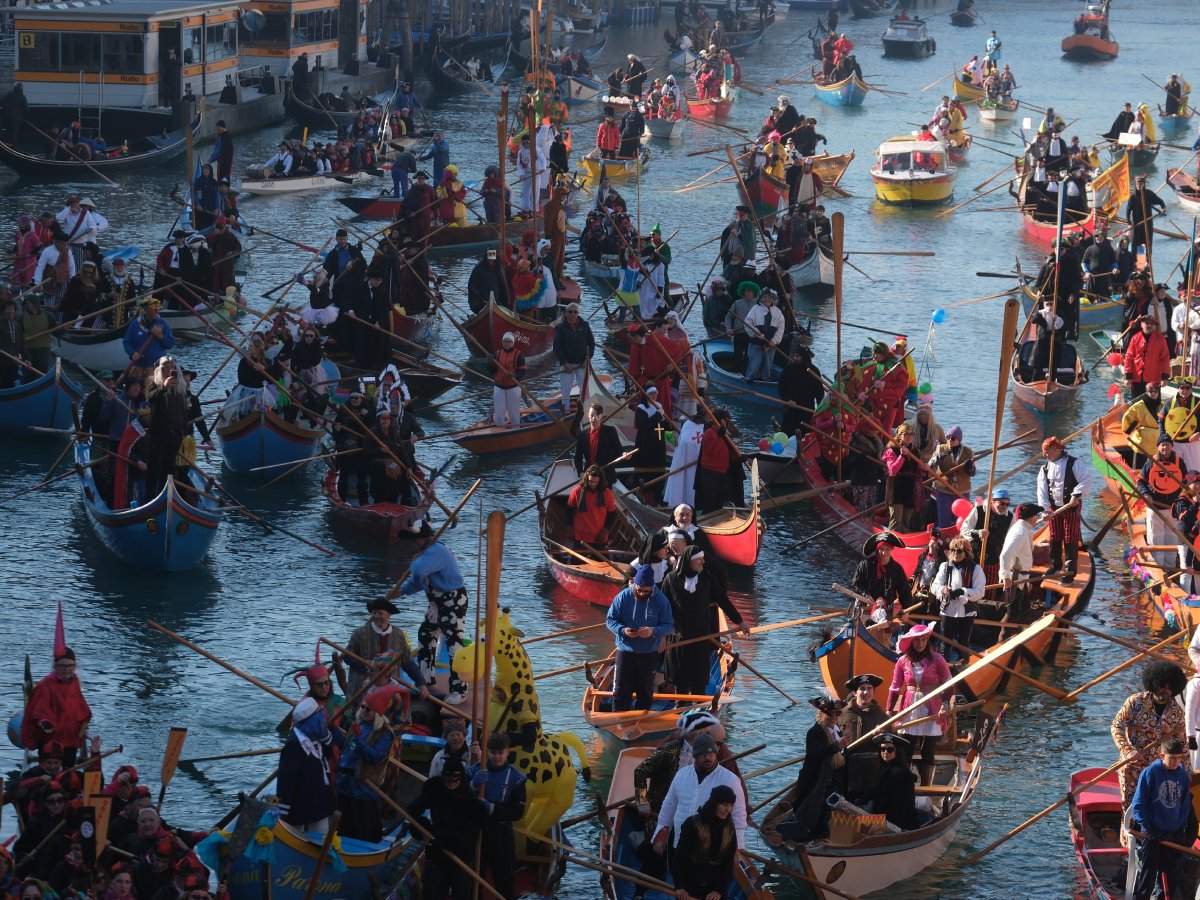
{"x": 936, "y": 790}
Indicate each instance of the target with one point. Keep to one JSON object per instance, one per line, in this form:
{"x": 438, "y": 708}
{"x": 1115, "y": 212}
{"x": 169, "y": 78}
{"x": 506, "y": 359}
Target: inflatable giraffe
{"x": 544, "y": 759}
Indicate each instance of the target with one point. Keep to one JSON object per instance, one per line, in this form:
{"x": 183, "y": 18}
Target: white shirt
{"x": 759, "y": 316}
{"x": 1193, "y": 323}
{"x": 687, "y": 795}
{"x": 950, "y": 576}
{"x": 1057, "y": 473}
{"x": 47, "y": 260}
{"x": 82, "y": 226}
{"x": 1017, "y": 553}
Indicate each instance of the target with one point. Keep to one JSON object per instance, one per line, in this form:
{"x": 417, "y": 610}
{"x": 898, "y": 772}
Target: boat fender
{"x": 932, "y": 46}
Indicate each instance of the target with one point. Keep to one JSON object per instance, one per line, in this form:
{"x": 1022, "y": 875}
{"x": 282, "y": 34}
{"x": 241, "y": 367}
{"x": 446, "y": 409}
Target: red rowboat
{"x": 836, "y": 510}
{"x": 414, "y": 328}
{"x": 768, "y": 194}
{"x": 592, "y": 580}
{"x": 489, "y": 325}
{"x": 710, "y": 109}
{"x": 1096, "y": 834}
{"x": 379, "y": 521}
{"x": 1045, "y": 232}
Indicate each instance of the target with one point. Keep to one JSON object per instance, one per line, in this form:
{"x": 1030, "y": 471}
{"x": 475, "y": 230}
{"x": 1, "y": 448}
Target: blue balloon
{"x": 939, "y": 316}
{"x": 776, "y": 448}
{"x": 791, "y": 440}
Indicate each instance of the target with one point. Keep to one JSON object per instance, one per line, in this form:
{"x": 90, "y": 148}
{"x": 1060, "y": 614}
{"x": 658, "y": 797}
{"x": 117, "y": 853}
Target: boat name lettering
{"x": 267, "y": 184}
{"x": 292, "y": 877}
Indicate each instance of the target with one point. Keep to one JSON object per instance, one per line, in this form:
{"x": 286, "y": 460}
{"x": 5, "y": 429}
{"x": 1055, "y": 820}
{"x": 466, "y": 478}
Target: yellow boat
{"x": 965, "y": 91}
{"x": 909, "y": 172}
{"x": 593, "y": 167}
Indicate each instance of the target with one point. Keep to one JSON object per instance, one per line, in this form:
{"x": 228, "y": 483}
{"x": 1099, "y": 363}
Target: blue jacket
{"x": 1162, "y": 800}
{"x": 435, "y": 569}
{"x": 365, "y": 746}
{"x": 504, "y": 792}
{"x": 439, "y": 152}
{"x": 135, "y": 342}
{"x": 627, "y": 611}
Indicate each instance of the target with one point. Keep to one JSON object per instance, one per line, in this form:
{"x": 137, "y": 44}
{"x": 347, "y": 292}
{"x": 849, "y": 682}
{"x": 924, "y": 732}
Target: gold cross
{"x": 658, "y": 429}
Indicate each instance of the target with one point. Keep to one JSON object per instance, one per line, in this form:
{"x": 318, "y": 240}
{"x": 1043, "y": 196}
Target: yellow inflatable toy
{"x": 545, "y": 759}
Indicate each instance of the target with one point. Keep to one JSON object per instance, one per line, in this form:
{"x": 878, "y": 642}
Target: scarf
{"x": 689, "y": 583}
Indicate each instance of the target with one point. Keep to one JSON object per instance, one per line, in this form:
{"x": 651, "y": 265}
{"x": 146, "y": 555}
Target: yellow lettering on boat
{"x": 292, "y": 877}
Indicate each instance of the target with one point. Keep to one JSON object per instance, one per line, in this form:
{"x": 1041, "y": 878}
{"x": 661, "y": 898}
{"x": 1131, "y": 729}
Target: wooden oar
{"x": 279, "y": 695}
{"x": 78, "y": 158}
{"x": 740, "y": 660}
{"x": 981, "y": 299}
{"x": 846, "y": 520}
{"x": 952, "y": 73}
{"x": 239, "y": 754}
{"x": 1008, "y": 335}
{"x": 798, "y": 875}
{"x": 175, "y": 739}
{"x": 972, "y": 199}
{"x": 1070, "y": 698}
{"x": 547, "y": 637}
{"x": 1128, "y": 645}
{"x": 323, "y": 855}
{"x": 1075, "y": 792}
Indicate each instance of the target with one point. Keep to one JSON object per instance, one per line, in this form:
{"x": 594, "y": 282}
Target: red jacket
{"x": 56, "y": 712}
{"x": 715, "y": 453}
{"x": 608, "y": 136}
{"x": 1147, "y": 359}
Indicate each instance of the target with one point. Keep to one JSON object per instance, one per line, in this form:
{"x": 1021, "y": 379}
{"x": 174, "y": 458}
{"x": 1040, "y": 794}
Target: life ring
{"x": 83, "y": 151}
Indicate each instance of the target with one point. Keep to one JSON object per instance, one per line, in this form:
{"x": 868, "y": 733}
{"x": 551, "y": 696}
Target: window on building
{"x": 124, "y": 54}
{"x": 311, "y": 27}
{"x": 220, "y": 41}
{"x": 193, "y": 46}
{"x": 274, "y": 30}
{"x": 80, "y": 52}
{"x": 38, "y": 51}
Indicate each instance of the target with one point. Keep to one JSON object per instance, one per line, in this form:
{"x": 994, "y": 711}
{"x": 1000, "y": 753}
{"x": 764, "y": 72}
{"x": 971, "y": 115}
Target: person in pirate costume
{"x": 436, "y": 570}
{"x": 998, "y": 523}
{"x": 374, "y": 638}
{"x": 1062, "y": 482}
{"x": 862, "y": 715}
{"x": 878, "y": 575}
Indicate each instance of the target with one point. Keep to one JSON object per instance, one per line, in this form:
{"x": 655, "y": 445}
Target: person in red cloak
{"x": 887, "y": 392}
{"x": 657, "y": 360}
{"x": 57, "y": 711}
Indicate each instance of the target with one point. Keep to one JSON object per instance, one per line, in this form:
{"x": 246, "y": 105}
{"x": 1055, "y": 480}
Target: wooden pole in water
{"x": 838, "y": 223}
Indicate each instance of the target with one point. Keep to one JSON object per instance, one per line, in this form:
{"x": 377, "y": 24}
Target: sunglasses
{"x": 887, "y": 749}
{"x": 957, "y": 552}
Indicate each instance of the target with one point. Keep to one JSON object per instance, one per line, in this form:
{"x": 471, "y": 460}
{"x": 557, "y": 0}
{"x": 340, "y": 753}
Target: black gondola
{"x": 817, "y": 36}
{"x": 871, "y": 9}
{"x": 447, "y": 74}
{"x": 736, "y": 42}
{"x": 520, "y": 62}
{"x": 963, "y": 18}
{"x": 328, "y": 114}
{"x": 134, "y": 154}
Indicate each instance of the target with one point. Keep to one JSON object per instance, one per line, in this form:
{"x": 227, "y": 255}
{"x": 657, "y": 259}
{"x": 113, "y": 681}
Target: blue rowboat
{"x": 1092, "y": 313}
{"x": 296, "y": 856}
{"x": 168, "y": 533}
{"x": 128, "y": 254}
{"x": 44, "y": 402}
{"x": 719, "y": 357}
{"x": 262, "y": 438}
{"x": 850, "y": 91}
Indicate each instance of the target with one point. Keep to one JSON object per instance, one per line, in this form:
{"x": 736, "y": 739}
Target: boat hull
{"x": 894, "y": 49}
{"x": 1092, "y": 314}
{"x": 717, "y": 356}
{"x": 1174, "y": 126}
{"x": 710, "y": 109}
{"x": 92, "y": 351}
{"x": 264, "y": 439}
{"x": 613, "y": 169}
{"x": 998, "y": 113}
{"x": 1095, "y": 817}
{"x": 967, "y": 92}
{"x": 385, "y": 522}
{"x": 296, "y": 184}
{"x": 665, "y": 129}
{"x": 913, "y": 191}
{"x": 490, "y": 324}
{"x": 1187, "y": 192}
{"x": 850, "y": 91}
{"x": 536, "y": 430}
{"x": 813, "y": 277}
{"x": 1089, "y": 47}
{"x": 1107, "y": 439}
{"x": 166, "y": 533}
{"x": 44, "y": 402}
{"x": 578, "y": 90}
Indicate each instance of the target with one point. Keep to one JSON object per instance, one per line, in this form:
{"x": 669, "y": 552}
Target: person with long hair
{"x": 593, "y": 508}
{"x": 919, "y": 671}
{"x": 704, "y": 857}
{"x": 958, "y": 588}
{"x": 166, "y": 392}
{"x": 823, "y": 745}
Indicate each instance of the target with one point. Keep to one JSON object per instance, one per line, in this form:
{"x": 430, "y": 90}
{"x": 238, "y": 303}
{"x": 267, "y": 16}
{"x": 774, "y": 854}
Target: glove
{"x": 479, "y": 779}
{"x": 956, "y": 593}
{"x": 1192, "y": 742}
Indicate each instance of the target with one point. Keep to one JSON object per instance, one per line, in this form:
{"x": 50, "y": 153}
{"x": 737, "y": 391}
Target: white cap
{"x": 304, "y": 709}
{"x": 508, "y": 336}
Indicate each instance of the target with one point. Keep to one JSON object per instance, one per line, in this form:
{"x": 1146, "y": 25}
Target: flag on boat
{"x": 1111, "y": 188}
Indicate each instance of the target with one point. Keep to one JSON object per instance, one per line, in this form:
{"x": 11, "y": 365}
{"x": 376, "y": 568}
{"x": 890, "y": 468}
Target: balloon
{"x": 1115, "y": 359}
{"x": 927, "y": 399}
{"x": 777, "y": 448}
{"x": 961, "y": 507}
{"x": 939, "y": 316}
{"x": 779, "y": 438}
{"x": 764, "y": 444}
{"x": 925, "y": 388}
{"x": 791, "y": 442}
{"x": 1114, "y": 390}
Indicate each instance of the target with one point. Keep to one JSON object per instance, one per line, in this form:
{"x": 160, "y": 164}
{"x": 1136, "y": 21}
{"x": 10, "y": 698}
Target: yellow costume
{"x": 774, "y": 166}
{"x": 1142, "y": 429}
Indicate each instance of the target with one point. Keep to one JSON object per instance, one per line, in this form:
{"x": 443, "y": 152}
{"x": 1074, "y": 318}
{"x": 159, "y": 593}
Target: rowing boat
{"x": 768, "y": 194}
{"x": 329, "y": 115}
{"x": 854, "y": 650}
{"x": 871, "y": 9}
{"x": 850, "y": 91}
{"x": 537, "y": 428}
{"x": 660, "y": 720}
{"x": 576, "y": 89}
{"x": 254, "y": 183}
{"x": 1176, "y": 124}
{"x": 711, "y": 108}
{"x": 666, "y": 129}
{"x": 838, "y": 511}
{"x": 616, "y": 845}
{"x": 1093, "y": 312}
{"x": 1034, "y": 387}
{"x": 964, "y": 18}
{"x": 140, "y": 154}
{"x": 93, "y": 350}
{"x": 1095, "y": 817}
{"x": 1141, "y": 156}
{"x": 860, "y": 862}
{"x": 998, "y": 110}
{"x": 583, "y": 576}
{"x": 385, "y": 522}
{"x": 812, "y": 277}
{"x": 1187, "y": 191}
{"x": 263, "y": 438}
{"x": 1045, "y": 232}
{"x": 1108, "y": 441}
{"x": 447, "y": 74}
{"x": 45, "y": 402}
{"x": 594, "y": 168}
{"x": 966, "y": 91}
{"x": 718, "y": 356}
{"x": 486, "y": 327}
{"x": 735, "y": 532}
{"x": 170, "y": 532}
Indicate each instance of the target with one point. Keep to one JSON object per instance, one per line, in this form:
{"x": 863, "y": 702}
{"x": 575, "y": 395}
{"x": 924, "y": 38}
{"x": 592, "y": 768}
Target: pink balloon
{"x": 961, "y": 507}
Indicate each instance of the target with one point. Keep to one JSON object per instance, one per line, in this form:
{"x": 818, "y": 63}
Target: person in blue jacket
{"x": 1162, "y": 811}
{"x": 363, "y": 761}
{"x": 147, "y": 338}
{"x": 504, "y": 797}
{"x": 640, "y": 618}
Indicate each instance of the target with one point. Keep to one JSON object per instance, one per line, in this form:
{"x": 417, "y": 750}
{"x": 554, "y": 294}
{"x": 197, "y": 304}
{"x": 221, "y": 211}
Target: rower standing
{"x": 1062, "y": 483}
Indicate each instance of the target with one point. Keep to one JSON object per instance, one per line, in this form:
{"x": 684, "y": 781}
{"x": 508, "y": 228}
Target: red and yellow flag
{"x": 1111, "y": 188}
